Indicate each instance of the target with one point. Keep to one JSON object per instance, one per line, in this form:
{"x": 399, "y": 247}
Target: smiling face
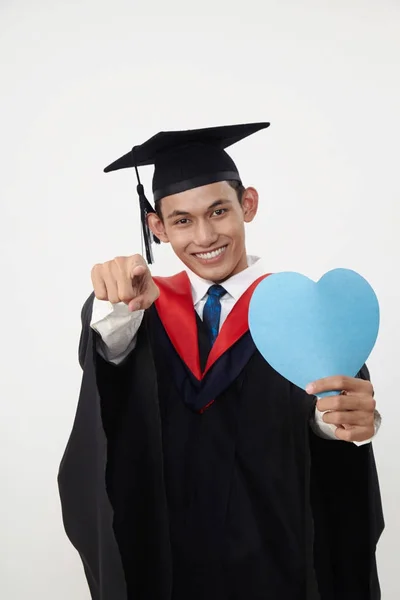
{"x": 205, "y": 227}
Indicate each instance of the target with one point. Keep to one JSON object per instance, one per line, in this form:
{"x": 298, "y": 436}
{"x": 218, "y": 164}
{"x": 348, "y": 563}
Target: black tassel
{"x": 147, "y": 236}
{"x": 145, "y": 209}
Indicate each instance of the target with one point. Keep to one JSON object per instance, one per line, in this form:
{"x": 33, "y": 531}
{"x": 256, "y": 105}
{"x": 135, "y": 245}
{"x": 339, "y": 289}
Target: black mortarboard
{"x": 184, "y": 160}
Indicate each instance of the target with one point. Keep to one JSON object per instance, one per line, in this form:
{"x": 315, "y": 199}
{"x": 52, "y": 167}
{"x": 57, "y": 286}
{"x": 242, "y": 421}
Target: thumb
{"x": 146, "y": 299}
{"x": 135, "y": 304}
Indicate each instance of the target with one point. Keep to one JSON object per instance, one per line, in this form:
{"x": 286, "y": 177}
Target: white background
{"x": 83, "y": 81}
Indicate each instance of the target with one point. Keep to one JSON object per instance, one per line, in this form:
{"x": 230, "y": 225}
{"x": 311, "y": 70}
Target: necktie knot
{"x": 216, "y": 291}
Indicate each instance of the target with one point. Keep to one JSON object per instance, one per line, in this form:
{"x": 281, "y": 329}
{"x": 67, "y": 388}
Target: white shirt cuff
{"x": 117, "y": 327}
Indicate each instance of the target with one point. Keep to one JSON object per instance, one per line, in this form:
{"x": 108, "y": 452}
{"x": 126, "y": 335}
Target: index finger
{"x": 135, "y": 261}
{"x": 138, "y": 271}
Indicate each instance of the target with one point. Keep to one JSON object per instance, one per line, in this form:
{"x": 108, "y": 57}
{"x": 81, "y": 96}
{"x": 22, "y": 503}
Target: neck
{"x": 241, "y": 266}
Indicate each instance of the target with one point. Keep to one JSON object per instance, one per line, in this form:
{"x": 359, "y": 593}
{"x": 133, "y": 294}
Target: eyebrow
{"x": 183, "y": 213}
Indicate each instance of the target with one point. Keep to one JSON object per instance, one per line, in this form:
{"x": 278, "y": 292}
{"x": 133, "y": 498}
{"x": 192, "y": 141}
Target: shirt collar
{"x": 235, "y": 285}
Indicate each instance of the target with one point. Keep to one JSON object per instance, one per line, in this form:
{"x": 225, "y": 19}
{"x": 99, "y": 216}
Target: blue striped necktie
{"x": 212, "y": 311}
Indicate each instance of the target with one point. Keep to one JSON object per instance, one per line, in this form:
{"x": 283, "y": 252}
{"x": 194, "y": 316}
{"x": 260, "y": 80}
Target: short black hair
{"x": 236, "y": 185}
{"x": 239, "y": 188}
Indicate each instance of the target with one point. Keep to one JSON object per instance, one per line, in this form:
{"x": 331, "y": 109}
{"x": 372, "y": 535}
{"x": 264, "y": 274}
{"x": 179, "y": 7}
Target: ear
{"x": 249, "y": 204}
{"x": 156, "y": 226}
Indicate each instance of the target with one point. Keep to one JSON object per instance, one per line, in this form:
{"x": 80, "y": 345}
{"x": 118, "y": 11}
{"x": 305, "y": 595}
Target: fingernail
{"x": 310, "y": 388}
{"x": 135, "y": 306}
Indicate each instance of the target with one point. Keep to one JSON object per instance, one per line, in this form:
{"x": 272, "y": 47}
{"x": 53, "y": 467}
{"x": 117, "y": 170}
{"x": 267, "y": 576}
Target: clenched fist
{"x": 125, "y": 279}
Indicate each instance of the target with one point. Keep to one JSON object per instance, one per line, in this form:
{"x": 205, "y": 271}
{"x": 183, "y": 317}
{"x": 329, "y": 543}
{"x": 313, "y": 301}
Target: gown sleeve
{"x": 110, "y": 479}
{"x": 86, "y": 508}
{"x": 348, "y": 517}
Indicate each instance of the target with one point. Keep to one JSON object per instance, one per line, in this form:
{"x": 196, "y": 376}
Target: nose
{"x": 204, "y": 234}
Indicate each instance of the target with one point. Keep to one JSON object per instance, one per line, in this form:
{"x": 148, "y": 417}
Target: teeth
{"x": 209, "y": 255}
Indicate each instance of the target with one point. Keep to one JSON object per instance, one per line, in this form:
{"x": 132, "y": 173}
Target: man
{"x": 194, "y": 470}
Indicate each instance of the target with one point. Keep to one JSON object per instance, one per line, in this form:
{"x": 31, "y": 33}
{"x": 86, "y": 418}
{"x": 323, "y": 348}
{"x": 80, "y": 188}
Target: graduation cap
{"x": 183, "y": 160}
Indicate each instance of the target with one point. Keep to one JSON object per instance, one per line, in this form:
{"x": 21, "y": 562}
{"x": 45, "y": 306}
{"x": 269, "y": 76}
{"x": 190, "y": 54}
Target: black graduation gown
{"x": 191, "y": 475}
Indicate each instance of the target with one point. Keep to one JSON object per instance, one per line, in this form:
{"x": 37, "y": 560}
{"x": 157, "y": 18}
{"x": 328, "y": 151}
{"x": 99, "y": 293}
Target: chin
{"x": 211, "y": 272}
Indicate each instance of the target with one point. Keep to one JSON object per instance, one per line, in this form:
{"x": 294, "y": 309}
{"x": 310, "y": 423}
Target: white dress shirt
{"x": 117, "y": 327}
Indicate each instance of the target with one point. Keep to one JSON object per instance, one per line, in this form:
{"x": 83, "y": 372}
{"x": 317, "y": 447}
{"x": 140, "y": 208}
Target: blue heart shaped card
{"x": 308, "y": 330}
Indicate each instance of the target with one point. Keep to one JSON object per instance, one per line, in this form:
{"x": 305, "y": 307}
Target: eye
{"x": 220, "y": 211}
{"x": 182, "y": 222}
